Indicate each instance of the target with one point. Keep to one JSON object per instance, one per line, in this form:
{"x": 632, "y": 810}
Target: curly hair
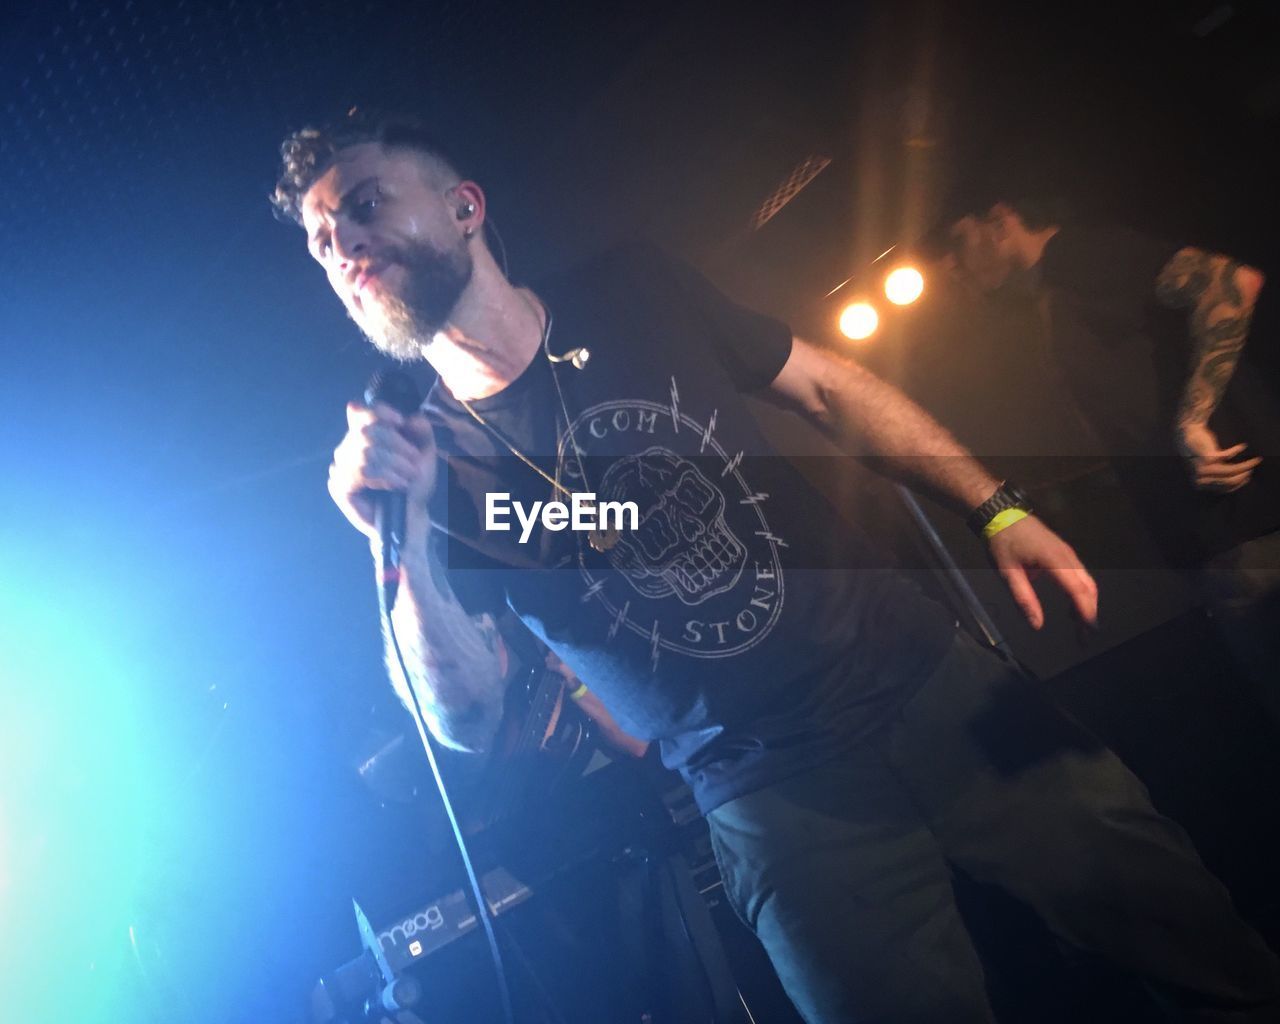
{"x": 307, "y": 153}
{"x": 974, "y": 201}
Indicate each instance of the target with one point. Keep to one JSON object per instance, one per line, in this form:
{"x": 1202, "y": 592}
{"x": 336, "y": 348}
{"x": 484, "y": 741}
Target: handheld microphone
{"x": 397, "y": 390}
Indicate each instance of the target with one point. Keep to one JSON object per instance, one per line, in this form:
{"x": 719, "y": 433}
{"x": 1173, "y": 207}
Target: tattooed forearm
{"x": 485, "y": 627}
{"x": 439, "y": 579}
{"x": 1220, "y": 294}
{"x": 1185, "y": 278}
{"x": 455, "y": 661}
{"x": 1230, "y": 286}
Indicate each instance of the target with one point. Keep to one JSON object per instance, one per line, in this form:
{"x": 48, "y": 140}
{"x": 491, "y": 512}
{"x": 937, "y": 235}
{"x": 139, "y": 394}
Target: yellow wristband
{"x": 1003, "y": 520}
{"x": 578, "y": 693}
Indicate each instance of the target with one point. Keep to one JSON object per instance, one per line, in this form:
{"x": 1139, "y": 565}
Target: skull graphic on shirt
{"x": 682, "y": 544}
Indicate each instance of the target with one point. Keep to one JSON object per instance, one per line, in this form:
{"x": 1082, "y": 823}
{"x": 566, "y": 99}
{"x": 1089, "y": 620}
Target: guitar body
{"x": 544, "y": 740}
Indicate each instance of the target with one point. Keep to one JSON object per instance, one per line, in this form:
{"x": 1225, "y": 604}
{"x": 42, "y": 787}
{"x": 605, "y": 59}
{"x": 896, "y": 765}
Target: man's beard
{"x": 400, "y": 325}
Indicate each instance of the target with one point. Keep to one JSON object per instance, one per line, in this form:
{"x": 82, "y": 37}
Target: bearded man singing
{"x": 846, "y": 742}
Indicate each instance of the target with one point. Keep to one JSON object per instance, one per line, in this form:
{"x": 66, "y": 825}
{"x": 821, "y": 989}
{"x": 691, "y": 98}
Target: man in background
{"x": 1150, "y": 339}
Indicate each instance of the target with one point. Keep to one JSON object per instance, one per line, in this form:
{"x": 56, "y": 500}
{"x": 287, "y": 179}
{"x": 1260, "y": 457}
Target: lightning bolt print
{"x": 618, "y": 620}
{"x": 675, "y": 406}
{"x": 706, "y": 434}
{"x": 731, "y": 465}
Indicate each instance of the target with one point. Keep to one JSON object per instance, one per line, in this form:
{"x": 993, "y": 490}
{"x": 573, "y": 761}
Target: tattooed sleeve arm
{"x": 458, "y": 664}
{"x": 455, "y": 661}
{"x": 1219, "y": 295}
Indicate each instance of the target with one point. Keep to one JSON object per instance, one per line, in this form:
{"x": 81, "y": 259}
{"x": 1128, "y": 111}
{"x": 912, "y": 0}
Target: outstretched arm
{"x": 1219, "y": 295}
{"x": 867, "y": 416}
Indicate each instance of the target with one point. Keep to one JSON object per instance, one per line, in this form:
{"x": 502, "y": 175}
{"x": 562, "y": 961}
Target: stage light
{"x": 859, "y": 320}
{"x": 84, "y": 806}
{"x": 903, "y": 286}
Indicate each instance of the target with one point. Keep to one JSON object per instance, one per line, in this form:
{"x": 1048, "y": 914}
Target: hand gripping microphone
{"x": 397, "y": 390}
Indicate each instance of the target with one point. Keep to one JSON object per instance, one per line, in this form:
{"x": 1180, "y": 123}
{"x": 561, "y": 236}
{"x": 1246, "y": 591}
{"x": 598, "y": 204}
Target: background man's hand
{"x": 1213, "y": 468}
{"x": 382, "y": 451}
{"x": 1026, "y": 550}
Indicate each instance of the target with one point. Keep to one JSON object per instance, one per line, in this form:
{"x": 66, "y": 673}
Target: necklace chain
{"x": 601, "y": 539}
{"x": 516, "y": 451}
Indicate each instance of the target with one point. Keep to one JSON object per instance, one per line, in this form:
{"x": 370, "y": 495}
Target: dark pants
{"x": 1242, "y": 590}
{"x": 843, "y": 872}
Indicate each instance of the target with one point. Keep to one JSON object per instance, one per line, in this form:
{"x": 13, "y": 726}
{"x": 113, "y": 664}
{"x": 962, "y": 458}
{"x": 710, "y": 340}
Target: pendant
{"x": 603, "y": 540}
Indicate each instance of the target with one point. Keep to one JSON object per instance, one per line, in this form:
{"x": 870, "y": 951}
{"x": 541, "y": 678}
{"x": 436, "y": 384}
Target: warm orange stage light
{"x": 859, "y": 320}
{"x": 903, "y": 286}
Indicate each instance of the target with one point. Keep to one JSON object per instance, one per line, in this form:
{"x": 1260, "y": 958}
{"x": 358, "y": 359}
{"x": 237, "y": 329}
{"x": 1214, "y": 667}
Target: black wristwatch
{"x": 1007, "y": 496}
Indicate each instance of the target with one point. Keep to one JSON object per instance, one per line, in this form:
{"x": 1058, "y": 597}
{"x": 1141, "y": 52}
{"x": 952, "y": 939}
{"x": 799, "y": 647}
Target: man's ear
{"x": 469, "y": 203}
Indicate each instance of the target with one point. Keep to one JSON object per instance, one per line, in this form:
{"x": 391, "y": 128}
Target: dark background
{"x": 188, "y": 638}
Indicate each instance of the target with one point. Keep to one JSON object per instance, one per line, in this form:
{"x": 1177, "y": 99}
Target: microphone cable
{"x": 428, "y": 745}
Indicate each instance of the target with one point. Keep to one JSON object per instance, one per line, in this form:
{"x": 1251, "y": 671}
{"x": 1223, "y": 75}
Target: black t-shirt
{"x": 744, "y": 623}
{"x": 1127, "y": 359}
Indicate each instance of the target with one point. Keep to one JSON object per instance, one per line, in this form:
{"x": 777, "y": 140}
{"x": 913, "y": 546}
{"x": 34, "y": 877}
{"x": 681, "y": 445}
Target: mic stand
{"x": 959, "y": 583}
